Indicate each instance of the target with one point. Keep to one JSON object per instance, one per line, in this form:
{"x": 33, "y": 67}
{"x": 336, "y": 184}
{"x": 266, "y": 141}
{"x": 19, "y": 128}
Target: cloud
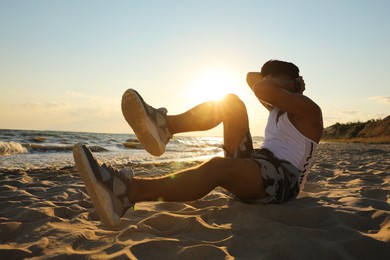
{"x": 349, "y": 112}
{"x": 70, "y": 110}
{"x": 93, "y": 99}
{"x": 43, "y": 105}
{"x": 91, "y": 106}
{"x": 381, "y": 99}
{"x": 92, "y": 112}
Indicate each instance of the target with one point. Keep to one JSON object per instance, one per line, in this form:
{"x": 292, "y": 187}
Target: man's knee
{"x": 217, "y": 161}
{"x": 233, "y": 106}
{"x": 233, "y": 99}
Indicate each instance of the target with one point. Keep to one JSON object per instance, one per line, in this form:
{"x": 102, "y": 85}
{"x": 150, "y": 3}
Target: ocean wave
{"x": 47, "y": 147}
{"x": 11, "y": 148}
{"x": 59, "y": 148}
{"x": 14, "y": 148}
{"x": 131, "y": 145}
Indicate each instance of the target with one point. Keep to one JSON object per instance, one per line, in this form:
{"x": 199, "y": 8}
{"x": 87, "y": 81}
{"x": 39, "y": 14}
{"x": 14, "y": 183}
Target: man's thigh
{"x": 244, "y": 179}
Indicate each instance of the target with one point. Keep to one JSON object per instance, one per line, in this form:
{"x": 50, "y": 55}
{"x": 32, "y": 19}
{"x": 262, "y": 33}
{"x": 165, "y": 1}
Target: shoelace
{"x": 121, "y": 175}
{"x": 116, "y": 172}
{"x": 162, "y": 110}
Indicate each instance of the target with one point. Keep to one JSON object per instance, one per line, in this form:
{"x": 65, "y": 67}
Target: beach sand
{"x": 343, "y": 213}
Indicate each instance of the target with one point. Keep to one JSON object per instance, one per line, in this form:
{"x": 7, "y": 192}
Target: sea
{"x": 33, "y": 149}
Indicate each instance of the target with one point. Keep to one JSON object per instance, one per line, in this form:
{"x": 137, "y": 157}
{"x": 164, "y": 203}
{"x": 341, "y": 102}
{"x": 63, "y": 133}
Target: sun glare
{"x": 213, "y": 84}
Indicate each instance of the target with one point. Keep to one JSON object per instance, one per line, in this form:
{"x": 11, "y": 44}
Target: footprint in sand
{"x": 24, "y": 252}
{"x": 167, "y": 224}
{"x": 9, "y": 230}
{"x": 175, "y": 249}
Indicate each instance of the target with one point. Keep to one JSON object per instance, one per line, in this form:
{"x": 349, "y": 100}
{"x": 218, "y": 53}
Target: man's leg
{"x": 230, "y": 111}
{"x": 239, "y": 176}
{"x": 113, "y": 192}
{"x": 154, "y": 128}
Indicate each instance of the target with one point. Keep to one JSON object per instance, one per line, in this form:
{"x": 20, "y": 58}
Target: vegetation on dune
{"x": 372, "y": 131}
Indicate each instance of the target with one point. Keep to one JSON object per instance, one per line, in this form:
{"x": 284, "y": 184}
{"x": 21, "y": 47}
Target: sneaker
{"x": 107, "y": 187}
{"x": 150, "y": 125}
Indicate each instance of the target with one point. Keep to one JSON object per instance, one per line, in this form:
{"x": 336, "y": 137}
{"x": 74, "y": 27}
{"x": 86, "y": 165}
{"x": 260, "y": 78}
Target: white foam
{"x": 11, "y": 148}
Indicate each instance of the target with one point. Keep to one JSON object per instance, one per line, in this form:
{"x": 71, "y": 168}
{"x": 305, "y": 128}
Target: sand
{"x": 343, "y": 213}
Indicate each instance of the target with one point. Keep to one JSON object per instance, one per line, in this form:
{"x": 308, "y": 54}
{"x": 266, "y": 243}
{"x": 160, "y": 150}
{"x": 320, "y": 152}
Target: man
{"x": 275, "y": 173}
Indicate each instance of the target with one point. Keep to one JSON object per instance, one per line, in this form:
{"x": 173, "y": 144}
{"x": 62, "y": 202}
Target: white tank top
{"x": 287, "y": 143}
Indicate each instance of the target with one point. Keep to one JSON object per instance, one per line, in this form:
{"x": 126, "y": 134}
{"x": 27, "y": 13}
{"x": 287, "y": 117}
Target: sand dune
{"x": 343, "y": 213}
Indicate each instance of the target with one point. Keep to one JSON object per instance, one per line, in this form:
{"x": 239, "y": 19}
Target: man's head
{"x": 277, "y": 68}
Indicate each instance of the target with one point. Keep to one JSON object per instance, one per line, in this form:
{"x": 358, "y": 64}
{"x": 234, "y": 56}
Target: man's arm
{"x": 252, "y": 78}
{"x": 284, "y": 94}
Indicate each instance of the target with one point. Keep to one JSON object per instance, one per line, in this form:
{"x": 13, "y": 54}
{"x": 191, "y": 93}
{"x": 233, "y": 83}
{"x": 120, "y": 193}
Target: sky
{"x": 64, "y": 65}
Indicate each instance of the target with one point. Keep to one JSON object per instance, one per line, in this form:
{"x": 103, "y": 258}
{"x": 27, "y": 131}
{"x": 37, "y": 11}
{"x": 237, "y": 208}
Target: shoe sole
{"x": 133, "y": 110}
{"x": 99, "y": 196}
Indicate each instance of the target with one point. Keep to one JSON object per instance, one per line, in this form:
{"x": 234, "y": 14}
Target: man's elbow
{"x": 252, "y": 78}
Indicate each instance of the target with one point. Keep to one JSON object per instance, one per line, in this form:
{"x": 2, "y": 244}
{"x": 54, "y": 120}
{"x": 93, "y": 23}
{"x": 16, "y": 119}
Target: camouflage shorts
{"x": 280, "y": 177}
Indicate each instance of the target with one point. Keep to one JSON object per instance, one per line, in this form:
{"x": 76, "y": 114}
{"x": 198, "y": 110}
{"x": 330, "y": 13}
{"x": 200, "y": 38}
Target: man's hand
{"x": 294, "y": 86}
{"x": 299, "y": 85}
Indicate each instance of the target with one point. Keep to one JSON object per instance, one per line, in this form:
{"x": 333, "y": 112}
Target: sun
{"x": 213, "y": 84}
